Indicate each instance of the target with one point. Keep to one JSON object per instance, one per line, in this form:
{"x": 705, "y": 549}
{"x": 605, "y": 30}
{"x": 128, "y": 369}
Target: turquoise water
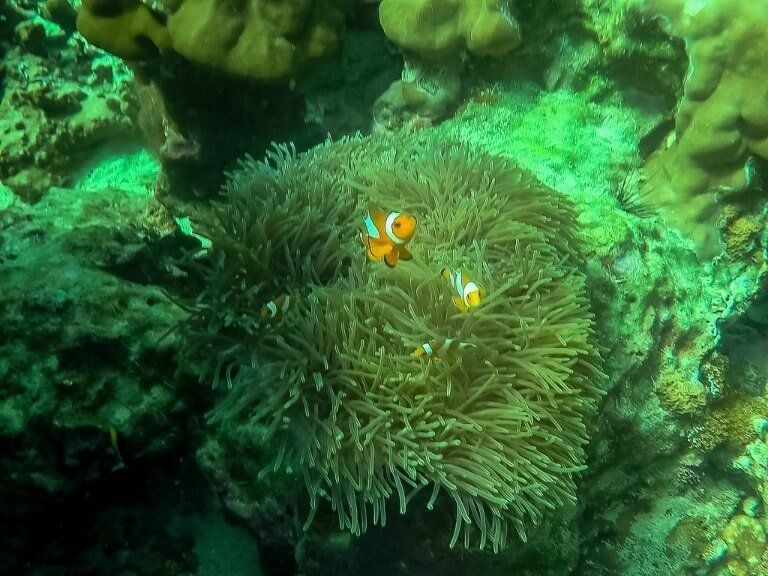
{"x": 429, "y": 287}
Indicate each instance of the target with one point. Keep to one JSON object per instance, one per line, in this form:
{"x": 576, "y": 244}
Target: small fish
{"x": 274, "y": 309}
{"x": 466, "y": 292}
{"x": 385, "y": 235}
{"x": 442, "y": 348}
{"x": 114, "y": 440}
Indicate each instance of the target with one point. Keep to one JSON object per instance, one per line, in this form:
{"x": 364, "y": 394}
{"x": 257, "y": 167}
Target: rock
{"x": 62, "y": 13}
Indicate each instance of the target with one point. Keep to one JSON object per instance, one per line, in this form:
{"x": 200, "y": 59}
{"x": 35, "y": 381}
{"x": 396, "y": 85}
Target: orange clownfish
{"x": 466, "y": 292}
{"x": 385, "y": 235}
{"x": 442, "y": 348}
{"x": 274, "y": 309}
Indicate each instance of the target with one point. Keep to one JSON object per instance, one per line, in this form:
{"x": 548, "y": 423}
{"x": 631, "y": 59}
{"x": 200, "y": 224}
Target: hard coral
{"x": 742, "y": 235}
{"x": 439, "y": 29}
{"x": 263, "y": 40}
{"x": 722, "y": 119}
{"x": 436, "y": 36}
{"x": 681, "y": 395}
{"x": 500, "y": 428}
{"x": 730, "y": 423}
{"x": 257, "y": 39}
{"x": 125, "y": 28}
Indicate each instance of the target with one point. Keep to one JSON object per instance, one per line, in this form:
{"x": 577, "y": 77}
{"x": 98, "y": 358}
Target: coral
{"x": 126, "y": 28}
{"x": 745, "y": 538}
{"x": 501, "y": 429}
{"x": 209, "y": 96}
{"x": 439, "y": 29}
{"x": 62, "y": 13}
{"x": 262, "y": 40}
{"x": 436, "y": 36}
{"x": 601, "y": 48}
{"x": 730, "y": 423}
{"x": 742, "y": 236}
{"x": 721, "y": 122}
{"x": 681, "y": 395}
{"x": 429, "y": 89}
{"x": 753, "y": 460}
{"x": 256, "y": 39}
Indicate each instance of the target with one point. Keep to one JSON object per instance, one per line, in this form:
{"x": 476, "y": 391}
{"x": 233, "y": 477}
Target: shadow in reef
{"x": 744, "y": 340}
{"x": 130, "y": 521}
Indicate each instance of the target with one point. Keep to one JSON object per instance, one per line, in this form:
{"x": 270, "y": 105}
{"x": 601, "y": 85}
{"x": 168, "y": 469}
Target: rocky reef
{"x": 597, "y": 166}
{"x": 61, "y": 99}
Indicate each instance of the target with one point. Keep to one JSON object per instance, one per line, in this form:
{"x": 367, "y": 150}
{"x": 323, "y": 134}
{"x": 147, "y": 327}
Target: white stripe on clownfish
{"x": 275, "y": 308}
{"x": 469, "y": 288}
{"x": 438, "y": 349}
{"x": 388, "y": 228}
{"x": 467, "y": 293}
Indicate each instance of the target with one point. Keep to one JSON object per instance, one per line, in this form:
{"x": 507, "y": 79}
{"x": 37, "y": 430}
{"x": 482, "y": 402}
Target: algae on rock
{"x": 58, "y": 106}
{"x": 90, "y": 412}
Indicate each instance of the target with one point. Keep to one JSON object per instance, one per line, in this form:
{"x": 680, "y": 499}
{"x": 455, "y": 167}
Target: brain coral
{"x": 499, "y": 429}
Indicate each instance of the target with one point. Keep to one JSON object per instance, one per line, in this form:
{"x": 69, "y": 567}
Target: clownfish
{"x": 442, "y": 348}
{"x": 466, "y": 292}
{"x": 274, "y": 309}
{"x": 385, "y": 235}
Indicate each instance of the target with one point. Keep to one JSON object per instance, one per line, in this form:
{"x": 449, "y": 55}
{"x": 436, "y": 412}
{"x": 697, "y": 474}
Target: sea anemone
{"x": 500, "y": 428}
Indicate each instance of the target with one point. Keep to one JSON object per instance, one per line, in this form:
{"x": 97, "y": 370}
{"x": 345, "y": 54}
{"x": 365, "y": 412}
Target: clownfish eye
{"x": 397, "y": 224}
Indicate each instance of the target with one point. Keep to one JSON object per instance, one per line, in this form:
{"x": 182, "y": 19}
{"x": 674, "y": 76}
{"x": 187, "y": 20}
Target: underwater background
{"x": 412, "y": 287}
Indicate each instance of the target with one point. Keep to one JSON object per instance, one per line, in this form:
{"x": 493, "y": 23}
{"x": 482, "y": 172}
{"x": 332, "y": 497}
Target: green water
{"x": 428, "y": 287}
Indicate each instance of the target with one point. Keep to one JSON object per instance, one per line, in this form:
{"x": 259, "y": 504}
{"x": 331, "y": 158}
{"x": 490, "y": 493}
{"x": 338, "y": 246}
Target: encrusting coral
{"x": 681, "y": 395}
{"x": 500, "y": 427}
{"x": 256, "y": 39}
{"x": 721, "y": 121}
